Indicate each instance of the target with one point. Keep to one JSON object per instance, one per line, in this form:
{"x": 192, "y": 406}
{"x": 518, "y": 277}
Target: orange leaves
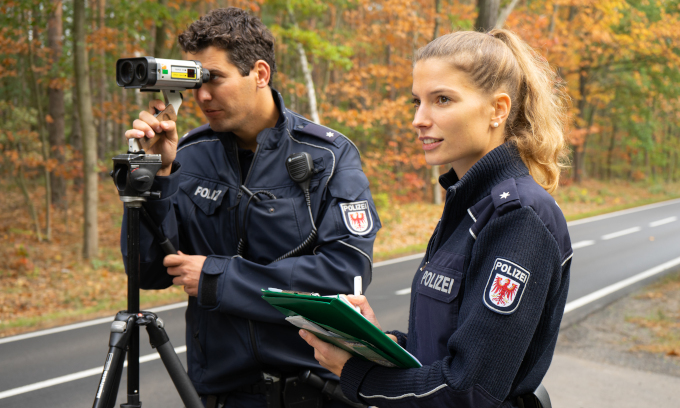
{"x": 105, "y": 38}
{"x": 577, "y": 137}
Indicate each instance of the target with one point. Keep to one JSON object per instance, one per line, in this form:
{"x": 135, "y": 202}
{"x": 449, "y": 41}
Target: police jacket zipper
{"x": 258, "y": 358}
{"x": 252, "y": 163}
{"x": 251, "y": 326}
{"x": 253, "y": 344}
{"x": 238, "y": 162}
{"x": 429, "y": 244}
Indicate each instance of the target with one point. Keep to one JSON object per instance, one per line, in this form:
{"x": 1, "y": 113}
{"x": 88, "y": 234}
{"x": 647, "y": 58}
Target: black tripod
{"x": 133, "y": 175}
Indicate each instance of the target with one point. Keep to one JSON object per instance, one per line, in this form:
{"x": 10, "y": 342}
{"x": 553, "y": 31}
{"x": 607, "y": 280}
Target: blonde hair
{"x": 538, "y": 113}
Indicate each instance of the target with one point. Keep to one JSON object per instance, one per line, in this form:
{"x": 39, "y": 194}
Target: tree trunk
{"x": 159, "y": 50}
{"x": 309, "y": 83}
{"x": 76, "y": 137}
{"x": 488, "y": 15}
{"x": 82, "y": 77}
{"x": 610, "y": 152}
{"x": 306, "y": 72}
{"x": 101, "y": 84}
{"x": 553, "y": 20}
{"x": 21, "y": 181}
{"x": 505, "y": 12}
{"x": 56, "y": 127}
{"x": 42, "y": 130}
{"x": 579, "y": 157}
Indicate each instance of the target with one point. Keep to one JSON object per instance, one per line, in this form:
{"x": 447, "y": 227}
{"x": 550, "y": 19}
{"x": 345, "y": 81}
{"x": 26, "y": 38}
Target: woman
{"x": 488, "y": 298}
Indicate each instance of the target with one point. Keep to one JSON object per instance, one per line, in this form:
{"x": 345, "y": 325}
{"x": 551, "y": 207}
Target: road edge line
{"x": 582, "y": 301}
{"x": 623, "y": 212}
{"x": 76, "y": 376}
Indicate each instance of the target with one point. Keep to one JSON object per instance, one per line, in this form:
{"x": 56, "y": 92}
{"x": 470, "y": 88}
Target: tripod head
{"x": 133, "y": 175}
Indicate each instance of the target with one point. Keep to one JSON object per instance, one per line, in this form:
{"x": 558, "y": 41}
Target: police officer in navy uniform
{"x": 489, "y": 295}
{"x": 230, "y": 206}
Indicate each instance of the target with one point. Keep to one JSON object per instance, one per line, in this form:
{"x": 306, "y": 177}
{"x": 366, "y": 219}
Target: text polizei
{"x": 207, "y": 193}
{"x": 510, "y": 270}
{"x": 436, "y": 281}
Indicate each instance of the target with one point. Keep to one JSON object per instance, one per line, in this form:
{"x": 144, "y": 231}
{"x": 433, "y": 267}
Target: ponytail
{"x": 538, "y": 114}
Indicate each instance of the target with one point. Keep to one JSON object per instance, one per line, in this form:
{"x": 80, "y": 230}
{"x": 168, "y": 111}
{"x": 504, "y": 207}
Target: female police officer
{"x": 488, "y": 298}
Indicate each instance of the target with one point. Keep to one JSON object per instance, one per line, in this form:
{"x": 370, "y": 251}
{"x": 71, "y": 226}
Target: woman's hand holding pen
{"x": 334, "y": 358}
{"x": 367, "y": 311}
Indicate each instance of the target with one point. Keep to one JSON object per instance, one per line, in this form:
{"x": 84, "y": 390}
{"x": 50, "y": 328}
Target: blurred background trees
{"x": 343, "y": 63}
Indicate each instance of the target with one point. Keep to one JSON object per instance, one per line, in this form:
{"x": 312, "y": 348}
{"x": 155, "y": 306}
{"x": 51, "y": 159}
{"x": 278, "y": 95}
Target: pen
{"x": 357, "y": 286}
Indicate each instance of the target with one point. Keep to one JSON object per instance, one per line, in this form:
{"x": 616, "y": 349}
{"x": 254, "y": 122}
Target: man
{"x": 228, "y": 241}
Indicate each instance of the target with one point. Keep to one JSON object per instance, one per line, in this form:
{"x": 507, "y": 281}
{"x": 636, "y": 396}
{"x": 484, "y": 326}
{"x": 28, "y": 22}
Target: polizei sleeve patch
{"x": 357, "y": 217}
{"x": 505, "y": 286}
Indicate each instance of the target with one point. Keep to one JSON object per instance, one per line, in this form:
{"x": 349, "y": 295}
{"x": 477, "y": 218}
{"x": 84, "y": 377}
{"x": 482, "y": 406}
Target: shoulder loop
{"x": 192, "y": 134}
{"x": 505, "y": 197}
{"x": 318, "y": 131}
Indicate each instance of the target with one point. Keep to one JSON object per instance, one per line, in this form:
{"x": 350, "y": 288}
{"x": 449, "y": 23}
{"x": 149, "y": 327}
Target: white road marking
{"x": 623, "y": 212}
{"x": 620, "y": 285}
{"x": 582, "y": 244}
{"x": 397, "y": 260}
{"x": 82, "y": 324}
{"x": 403, "y": 291}
{"x": 77, "y": 376}
{"x": 620, "y": 233}
{"x": 663, "y": 221}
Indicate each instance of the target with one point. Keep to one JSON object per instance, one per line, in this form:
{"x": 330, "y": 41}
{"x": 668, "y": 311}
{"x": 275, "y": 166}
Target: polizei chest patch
{"x": 505, "y": 286}
{"x": 357, "y": 217}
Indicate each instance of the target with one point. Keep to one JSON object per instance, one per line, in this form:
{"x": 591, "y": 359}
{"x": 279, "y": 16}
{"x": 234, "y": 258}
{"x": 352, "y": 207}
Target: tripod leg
{"x": 179, "y": 377}
{"x": 113, "y": 367}
{"x": 159, "y": 339}
{"x": 110, "y": 380}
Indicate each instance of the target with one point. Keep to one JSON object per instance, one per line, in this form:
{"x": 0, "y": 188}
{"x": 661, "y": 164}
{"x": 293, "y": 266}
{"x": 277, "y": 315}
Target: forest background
{"x": 343, "y": 63}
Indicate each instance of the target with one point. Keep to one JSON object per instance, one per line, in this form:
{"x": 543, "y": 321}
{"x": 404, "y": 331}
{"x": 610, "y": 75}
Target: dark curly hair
{"x": 245, "y": 38}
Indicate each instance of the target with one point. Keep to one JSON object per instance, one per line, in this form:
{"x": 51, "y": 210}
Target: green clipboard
{"x": 342, "y": 326}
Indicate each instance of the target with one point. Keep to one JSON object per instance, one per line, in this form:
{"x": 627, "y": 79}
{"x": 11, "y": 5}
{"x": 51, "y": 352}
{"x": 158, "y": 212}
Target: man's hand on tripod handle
{"x": 149, "y": 127}
{"x": 186, "y": 269}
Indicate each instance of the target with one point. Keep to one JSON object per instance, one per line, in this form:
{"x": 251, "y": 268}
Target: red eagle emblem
{"x": 358, "y": 220}
{"x": 503, "y": 291}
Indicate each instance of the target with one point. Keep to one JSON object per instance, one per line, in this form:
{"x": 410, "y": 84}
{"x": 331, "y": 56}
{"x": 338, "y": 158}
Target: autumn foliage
{"x": 619, "y": 60}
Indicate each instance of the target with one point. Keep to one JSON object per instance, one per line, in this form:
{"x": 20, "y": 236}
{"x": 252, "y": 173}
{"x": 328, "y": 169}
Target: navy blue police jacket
{"x": 232, "y": 335}
{"x": 487, "y": 300}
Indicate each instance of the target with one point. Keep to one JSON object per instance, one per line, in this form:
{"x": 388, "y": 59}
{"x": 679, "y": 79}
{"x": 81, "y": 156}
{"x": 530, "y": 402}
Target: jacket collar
{"x": 500, "y": 164}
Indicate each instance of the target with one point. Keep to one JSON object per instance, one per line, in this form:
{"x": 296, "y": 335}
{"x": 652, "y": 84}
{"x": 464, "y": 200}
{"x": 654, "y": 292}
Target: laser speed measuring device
{"x": 158, "y": 74}
{"x": 171, "y": 77}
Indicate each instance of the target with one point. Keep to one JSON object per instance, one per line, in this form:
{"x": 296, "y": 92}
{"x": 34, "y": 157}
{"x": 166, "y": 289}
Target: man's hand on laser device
{"x": 149, "y": 126}
{"x": 186, "y": 269}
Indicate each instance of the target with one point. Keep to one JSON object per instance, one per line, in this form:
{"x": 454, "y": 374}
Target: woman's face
{"x": 453, "y": 117}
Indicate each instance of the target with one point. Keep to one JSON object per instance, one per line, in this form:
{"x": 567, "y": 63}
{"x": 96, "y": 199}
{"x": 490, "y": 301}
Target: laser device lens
{"x": 126, "y": 72}
{"x": 140, "y": 71}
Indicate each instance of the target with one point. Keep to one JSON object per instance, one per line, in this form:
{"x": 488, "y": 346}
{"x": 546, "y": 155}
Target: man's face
{"x": 228, "y": 99}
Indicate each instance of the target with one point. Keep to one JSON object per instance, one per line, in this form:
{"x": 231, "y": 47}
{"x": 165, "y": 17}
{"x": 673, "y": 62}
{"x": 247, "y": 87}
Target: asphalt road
{"x": 614, "y": 254}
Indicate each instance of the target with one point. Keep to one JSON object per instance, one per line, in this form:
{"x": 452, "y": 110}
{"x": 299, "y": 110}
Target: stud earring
{"x": 495, "y": 124}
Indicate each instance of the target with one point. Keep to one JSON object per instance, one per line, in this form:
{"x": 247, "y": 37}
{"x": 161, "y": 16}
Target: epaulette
{"x": 505, "y": 196}
{"x": 192, "y": 134}
{"x": 503, "y": 199}
{"x": 318, "y": 131}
